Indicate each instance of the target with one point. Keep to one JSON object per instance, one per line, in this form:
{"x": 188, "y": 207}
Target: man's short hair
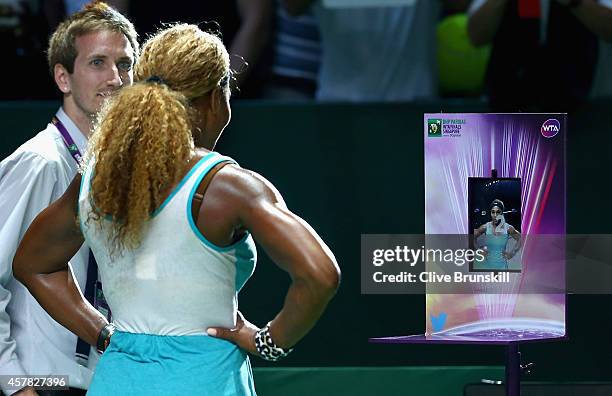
{"x": 96, "y": 16}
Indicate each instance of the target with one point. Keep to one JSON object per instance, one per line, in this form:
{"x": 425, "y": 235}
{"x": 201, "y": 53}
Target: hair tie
{"x": 156, "y": 80}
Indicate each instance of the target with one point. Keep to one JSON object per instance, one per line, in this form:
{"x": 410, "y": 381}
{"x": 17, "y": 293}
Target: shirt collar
{"x": 75, "y": 133}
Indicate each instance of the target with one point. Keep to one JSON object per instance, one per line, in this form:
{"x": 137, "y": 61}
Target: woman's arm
{"x": 519, "y": 241}
{"x": 517, "y": 237}
{"x": 41, "y": 264}
{"x": 480, "y": 230}
{"x": 484, "y": 22}
{"x": 595, "y": 16}
{"x": 291, "y": 243}
{"x": 252, "y": 37}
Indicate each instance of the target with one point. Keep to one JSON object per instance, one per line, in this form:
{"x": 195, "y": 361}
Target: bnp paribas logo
{"x": 434, "y": 127}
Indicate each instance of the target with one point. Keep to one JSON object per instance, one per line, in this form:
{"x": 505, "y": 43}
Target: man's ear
{"x": 61, "y": 76}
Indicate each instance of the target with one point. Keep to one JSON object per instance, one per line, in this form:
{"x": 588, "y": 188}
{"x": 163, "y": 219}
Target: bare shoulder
{"x": 239, "y": 195}
{"x": 243, "y": 185}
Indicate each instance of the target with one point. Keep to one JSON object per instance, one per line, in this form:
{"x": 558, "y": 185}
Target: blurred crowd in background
{"x": 519, "y": 55}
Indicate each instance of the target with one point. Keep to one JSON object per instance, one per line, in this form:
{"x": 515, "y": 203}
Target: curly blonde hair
{"x": 143, "y": 141}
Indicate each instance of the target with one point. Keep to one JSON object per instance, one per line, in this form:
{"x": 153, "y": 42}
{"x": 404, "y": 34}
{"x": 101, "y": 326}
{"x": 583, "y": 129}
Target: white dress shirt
{"x": 35, "y": 175}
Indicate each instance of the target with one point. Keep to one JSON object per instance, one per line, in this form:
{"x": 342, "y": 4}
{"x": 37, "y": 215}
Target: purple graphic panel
{"x": 527, "y": 148}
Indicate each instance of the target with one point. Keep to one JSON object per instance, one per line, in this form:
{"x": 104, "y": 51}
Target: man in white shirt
{"x": 90, "y": 55}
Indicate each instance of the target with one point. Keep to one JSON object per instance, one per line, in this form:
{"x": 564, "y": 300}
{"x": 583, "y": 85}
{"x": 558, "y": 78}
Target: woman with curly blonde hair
{"x": 172, "y": 225}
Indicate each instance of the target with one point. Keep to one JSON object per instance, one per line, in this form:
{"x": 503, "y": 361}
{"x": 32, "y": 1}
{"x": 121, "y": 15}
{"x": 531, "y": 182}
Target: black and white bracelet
{"x": 266, "y": 347}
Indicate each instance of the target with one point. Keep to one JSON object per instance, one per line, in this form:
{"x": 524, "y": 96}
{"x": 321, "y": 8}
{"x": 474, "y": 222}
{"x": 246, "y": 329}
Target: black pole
{"x": 513, "y": 370}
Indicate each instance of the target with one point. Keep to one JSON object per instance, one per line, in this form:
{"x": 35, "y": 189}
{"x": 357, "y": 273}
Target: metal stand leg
{"x": 513, "y": 370}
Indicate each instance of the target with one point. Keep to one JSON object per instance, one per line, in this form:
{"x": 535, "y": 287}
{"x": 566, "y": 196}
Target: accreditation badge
{"x": 100, "y": 302}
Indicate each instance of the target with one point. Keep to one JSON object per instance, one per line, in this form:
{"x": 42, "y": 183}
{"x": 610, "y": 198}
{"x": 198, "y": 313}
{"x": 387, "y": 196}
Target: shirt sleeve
{"x": 27, "y": 186}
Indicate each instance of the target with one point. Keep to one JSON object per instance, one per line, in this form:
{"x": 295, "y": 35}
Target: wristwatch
{"x": 104, "y": 337}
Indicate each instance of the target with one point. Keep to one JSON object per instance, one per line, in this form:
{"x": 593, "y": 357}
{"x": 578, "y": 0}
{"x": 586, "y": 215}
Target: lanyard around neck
{"x": 67, "y": 139}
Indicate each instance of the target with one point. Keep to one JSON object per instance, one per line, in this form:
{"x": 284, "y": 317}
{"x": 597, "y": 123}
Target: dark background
{"x": 356, "y": 169}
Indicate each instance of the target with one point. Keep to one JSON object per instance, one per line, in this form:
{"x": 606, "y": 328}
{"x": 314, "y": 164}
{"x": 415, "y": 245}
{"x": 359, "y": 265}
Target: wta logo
{"x": 550, "y": 127}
